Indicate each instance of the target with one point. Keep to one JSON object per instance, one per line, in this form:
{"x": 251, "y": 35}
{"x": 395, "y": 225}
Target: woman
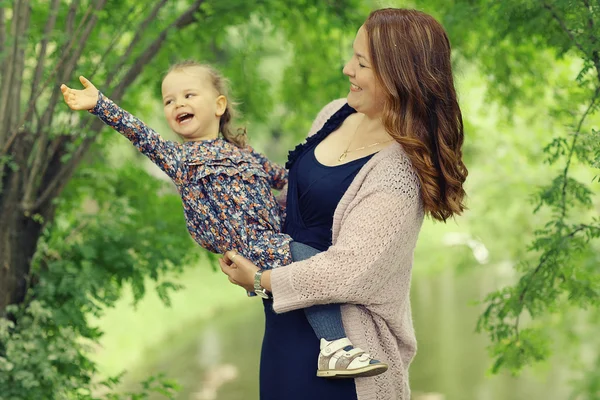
{"x": 359, "y": 189}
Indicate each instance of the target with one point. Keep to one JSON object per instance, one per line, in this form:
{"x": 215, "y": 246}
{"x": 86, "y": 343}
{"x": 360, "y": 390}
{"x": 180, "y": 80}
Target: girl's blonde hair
{"x": 234, "y": 136}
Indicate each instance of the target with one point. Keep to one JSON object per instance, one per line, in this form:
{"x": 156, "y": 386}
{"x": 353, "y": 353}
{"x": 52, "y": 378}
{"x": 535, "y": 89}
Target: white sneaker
{"x": 336, "y": 362}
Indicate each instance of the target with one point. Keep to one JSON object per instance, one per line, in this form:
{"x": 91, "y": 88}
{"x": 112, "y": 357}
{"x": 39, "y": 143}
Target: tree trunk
{"x": 35, "y": 174}
{"x": 19, "y": 233}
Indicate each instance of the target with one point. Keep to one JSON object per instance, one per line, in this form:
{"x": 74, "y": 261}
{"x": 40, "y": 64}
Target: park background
{"x": 102, "y": 288}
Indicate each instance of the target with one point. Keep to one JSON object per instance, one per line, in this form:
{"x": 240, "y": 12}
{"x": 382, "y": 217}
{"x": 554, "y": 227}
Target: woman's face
{"x": 365, "y": 94}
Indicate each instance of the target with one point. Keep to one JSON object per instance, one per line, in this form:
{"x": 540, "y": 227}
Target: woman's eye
{"x": 362, "y": 66}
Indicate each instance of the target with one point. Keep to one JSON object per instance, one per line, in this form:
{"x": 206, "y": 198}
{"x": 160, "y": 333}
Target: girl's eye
{"x": 187, "y": 96}
{"x": 168, "y": 102}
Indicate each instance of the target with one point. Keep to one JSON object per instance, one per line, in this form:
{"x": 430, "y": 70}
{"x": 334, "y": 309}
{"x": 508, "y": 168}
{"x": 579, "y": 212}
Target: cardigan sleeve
{"x": 372, "y": 253}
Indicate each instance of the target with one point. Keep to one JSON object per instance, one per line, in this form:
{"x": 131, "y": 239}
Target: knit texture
{"x": 368, "y": 267}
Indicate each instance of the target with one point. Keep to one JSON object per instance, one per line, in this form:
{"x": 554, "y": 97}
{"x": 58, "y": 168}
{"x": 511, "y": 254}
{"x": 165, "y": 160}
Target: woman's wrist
{"x": 265, "y": 280}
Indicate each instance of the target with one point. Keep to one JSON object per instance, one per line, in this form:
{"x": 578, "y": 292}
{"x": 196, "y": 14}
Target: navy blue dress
{"x": 290, "y": 347}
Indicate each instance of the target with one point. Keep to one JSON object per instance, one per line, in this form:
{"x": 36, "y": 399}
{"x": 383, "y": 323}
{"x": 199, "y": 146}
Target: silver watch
{"x": 258, "y": 289}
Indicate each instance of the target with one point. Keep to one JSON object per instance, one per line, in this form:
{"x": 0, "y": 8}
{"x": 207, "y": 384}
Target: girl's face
{"x": 192, "y": 106}
{"x": 366, "y": 95}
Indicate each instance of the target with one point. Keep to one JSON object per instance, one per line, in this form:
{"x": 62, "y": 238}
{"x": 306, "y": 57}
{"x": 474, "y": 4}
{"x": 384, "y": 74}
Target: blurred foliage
{"x": 543, "y": 56}
{"x": 107, "y": 234}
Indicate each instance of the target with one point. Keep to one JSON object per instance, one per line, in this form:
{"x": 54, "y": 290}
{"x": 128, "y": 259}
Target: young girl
{"x": 225, "y": 187}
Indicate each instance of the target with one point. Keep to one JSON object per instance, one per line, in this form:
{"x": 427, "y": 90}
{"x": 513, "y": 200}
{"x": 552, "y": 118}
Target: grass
{"x": 130, "y": 331}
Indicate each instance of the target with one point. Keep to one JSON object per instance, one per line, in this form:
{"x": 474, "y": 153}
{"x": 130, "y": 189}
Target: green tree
{"x": 76, "y": 228}
{"x": 518, "y": 45}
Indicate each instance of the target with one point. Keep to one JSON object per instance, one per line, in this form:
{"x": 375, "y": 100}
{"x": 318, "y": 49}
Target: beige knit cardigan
{"x": 368, "y": 267}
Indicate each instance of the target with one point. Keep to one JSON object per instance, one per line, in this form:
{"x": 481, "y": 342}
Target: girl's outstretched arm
{"x": 166, "y": 154}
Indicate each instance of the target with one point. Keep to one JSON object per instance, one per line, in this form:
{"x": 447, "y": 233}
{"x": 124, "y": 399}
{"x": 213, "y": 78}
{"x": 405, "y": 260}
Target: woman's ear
{"x": 221, "y": 105}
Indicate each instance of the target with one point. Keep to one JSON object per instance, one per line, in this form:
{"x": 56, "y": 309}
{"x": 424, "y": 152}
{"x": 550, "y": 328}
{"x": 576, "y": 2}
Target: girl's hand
{"x": 85, "y": 99}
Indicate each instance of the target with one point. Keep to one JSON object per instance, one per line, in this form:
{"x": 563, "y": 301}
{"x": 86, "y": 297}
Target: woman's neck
{"x": 371, "y": 128}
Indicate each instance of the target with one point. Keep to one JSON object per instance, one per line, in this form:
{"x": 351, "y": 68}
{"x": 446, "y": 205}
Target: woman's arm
{"x": 374, "y": 248}
{"x": 371, "y": 257}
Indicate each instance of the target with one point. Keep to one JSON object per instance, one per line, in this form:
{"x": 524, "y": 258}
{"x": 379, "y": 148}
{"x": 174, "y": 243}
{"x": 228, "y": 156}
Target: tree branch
{"x": 2, "y": 82}
{"x": 71, "y": 17}
{"x": 19, "y": 67}
{"x": 15, "y": 132}
{"x": 539, "y": 267}
{"x": 89, "y": 27}
{"x": 563, "y": 205}
{"x": 58, "y": 181}
{"x": 64, "y": 174}
{"x": 39, "y": 69}
{"x": 546, "y": 270}
{"x": 564, "y": 27}
{"x": 109, "y": 50}
{"x": 46, "y": 121}
{"x": 117, "y": 36}
{"x": 2, "y": 32}
{"x": 73, "y": 35}
{"x": 596, "y": 60}
{"x": 138, "y": 36}
{"x": 66, "y": 70}
{"x": 593, "y": 39}
{"x": 8, "y": 73}
{"x": 184, "y": 20}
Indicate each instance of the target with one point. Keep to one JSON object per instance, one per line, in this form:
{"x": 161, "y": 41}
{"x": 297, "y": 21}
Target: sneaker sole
{"x": 369, "y": 370}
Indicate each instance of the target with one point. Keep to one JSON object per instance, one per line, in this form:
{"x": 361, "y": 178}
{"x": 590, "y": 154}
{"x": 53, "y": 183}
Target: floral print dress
{"x": 226, "y": 190}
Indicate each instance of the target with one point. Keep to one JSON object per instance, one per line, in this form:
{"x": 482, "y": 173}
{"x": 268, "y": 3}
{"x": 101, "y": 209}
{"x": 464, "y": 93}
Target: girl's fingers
{"x": 84, "y": 81}
{"x": 67, "y": 93}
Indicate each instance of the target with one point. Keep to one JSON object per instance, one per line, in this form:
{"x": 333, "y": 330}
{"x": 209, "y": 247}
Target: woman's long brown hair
{"x": 410, "y": 54}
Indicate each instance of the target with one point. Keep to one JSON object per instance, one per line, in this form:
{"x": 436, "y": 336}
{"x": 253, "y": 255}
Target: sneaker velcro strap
{"x": 353, "y": 352}
{"x": 354, "y": 358}
{"x": 335, "y": 346}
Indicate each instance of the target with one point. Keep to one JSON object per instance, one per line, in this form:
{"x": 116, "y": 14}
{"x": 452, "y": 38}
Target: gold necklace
{"x": 342, "y": 156}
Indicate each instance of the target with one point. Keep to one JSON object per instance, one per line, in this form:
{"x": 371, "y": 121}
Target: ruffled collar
{"x": 203, "y": 151}
{"x": 332, "y": 123}
{"x": 218, "y": 157}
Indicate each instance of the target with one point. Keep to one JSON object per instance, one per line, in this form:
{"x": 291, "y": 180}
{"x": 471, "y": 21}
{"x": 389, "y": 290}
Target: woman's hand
{"x": 85, "y": 99}
{"x": 240, "y": 270}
